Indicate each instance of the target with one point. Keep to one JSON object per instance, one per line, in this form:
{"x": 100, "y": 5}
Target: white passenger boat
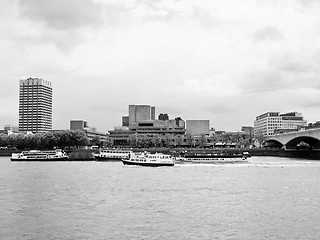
{"x": 36, "y": 155}
{"x": 214, "y": 157}
{"x": 150, "y": 160}
{"x": 112, "y": 155}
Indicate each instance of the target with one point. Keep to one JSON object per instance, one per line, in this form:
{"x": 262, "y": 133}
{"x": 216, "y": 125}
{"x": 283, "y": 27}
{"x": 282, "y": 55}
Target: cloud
{"x": 267, "y": 33}
{"x": 67, "y": 14}
{"x": 308, "y": 3}
{"x": 195, "y": 59}
{"x": 64, "y": 23}
{"x": 267, "y": 80}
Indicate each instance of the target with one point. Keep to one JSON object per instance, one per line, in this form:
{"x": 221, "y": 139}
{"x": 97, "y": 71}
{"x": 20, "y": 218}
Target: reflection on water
{"x": 267, "y": 198}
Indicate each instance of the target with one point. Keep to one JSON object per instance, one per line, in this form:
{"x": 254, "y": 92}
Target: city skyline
{"x": 227, "y": 62}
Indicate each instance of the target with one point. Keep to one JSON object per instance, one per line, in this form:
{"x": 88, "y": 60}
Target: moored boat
{"x": 112, "y": 155}
{"x": 37, "y": 155}
{"x": 213, "y": 157}
{"x": 149, "y": 160}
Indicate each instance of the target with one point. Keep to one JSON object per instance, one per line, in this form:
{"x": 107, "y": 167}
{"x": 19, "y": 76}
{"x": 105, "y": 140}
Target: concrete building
{"x": 90, "y": 132}
{"x": 78, "y": 125}
{"x": 125, "y": 121}
{"x": 163, "y": 117}
{"x": 313, "y": 125}
{"x": 142, "y": 121}
{"x": 270, "y": 123}
{"x": 35, "y": 105}
{"x": 248, "y": 130}
{"x": 177, "y": 123}
{"x": 14, "y": 129}
{"x": 139, "y": 113}
{"x": 198, "y": 127}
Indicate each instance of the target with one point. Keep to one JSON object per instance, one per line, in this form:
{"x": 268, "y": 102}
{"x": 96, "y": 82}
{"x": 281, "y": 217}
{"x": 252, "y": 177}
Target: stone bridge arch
{"x": 314, "y": 143}
{"x": 272, "y": 143}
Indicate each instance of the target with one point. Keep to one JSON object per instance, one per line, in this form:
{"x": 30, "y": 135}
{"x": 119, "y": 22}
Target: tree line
{"x": 178, "y": 140}
{"x": 77, "y": 138}
{"x": 45, "y": 140}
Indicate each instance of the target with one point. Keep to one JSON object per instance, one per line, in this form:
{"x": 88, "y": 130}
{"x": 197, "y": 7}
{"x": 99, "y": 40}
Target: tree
{"x": 108, "y": 142}
{"x": 3, "y": 140}
{"x": 78, "y": 138}
{"x": 202, "y": 140}
{"x": 62, "y": 138}
{"x": 96, "y": 141}
{"x": 260, "y": 138}
{"x": 189, "y": 139}
{"x": 214, "y": 139}
{"x": 155, "y": 140}
{"x": 47, "y": 140}
{"x": 133, "y": 140}
{"x": 167, "y": 139}
{"x": 226, "y": 139}
{"x": 178, "y": 140}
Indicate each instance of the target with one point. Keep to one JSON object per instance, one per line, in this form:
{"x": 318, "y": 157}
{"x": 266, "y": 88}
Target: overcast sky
{"x": 227, "y": 61}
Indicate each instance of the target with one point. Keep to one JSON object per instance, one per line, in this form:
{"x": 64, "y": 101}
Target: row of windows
{"x": 43, "y": 114}
{"x": 35, "y": 110}
{"x": 35, "y": 103}
{"x": 35, "y": 113}
{"x": 32, "y": 91}
{"x": 35, "y": 97}
{"x": 42, "y": 118}
{"x": 33, "y": 87}
{"x": 35, "y": 94}
{"x": 35, "y": 122}
{"x": 35, "y": 100}
{"x": 39, "y": 107}
{"x": 35, "y": 91}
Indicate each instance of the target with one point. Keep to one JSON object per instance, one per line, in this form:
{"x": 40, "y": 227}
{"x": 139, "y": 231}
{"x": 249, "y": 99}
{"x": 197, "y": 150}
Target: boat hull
{"x": 65, "y": 158}
{"x": 146, "y": 164}
{"x": 108, "y": 159}
{"x": 214, "y": 161}
{"x": 213, "y": 158}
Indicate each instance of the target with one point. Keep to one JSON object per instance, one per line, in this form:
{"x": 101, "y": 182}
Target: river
{"x": 267, "y": 198}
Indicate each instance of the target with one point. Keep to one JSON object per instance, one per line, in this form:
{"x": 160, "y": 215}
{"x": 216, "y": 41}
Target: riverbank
{"x": 88, "y": 153}
{"x": 80, "y": 154}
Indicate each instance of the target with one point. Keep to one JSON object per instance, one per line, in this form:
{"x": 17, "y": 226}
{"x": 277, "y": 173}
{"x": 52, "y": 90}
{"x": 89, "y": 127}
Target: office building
{"x": 269, "y": 123}
{"x": 198, "y": 127}
{"x": 35, "y": 105}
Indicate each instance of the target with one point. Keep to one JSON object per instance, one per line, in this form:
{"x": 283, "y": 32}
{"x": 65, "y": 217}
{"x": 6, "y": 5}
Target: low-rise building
{"x": 142, "y": 121}
{"x": 90, "y": 132}
{"x": 198, "y": 127}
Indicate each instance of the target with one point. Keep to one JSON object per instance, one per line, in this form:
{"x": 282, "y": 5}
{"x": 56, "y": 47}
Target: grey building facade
{"x": 35, "y": 105}
{"x": 139, "y": 113}
{"x": 198, "y": 127}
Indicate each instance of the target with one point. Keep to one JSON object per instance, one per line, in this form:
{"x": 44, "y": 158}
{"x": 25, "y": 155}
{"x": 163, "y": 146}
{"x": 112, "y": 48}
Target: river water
{"x": 267, "y": 198}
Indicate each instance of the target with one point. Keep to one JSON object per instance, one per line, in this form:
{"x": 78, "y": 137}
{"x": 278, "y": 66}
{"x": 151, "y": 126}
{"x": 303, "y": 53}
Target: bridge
{"x": 309, "y": 139}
